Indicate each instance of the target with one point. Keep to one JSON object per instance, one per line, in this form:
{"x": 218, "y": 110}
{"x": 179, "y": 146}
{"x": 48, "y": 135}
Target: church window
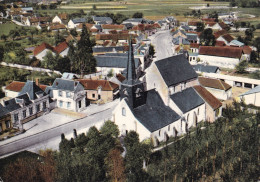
{"x": 123, "y": 111}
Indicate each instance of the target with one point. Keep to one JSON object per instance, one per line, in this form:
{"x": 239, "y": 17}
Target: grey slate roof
{"x": 192, "y": 37}
{"x": 186, "y": 27}
{"x": 66, "y": 85}
{"x": 32, "y": 89}
{"x": 175, "y": 69}
{"x": 115, "y": 61}
{"x": 252, "y": 91}
{"x": 108, "y": 49}
{"x": 102, "y": 19}
{"x": 205, "y": 68}
{"x": 154, "y": 115}
{"x": 13, "y": 104}
{"x": 79, "y": 20}
{"x": 176, "y": 41}
{"x": 187, "y": 99}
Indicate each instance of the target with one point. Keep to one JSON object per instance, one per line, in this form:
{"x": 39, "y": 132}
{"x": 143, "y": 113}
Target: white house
{"x": 218, "y": 88}
{"x": 251, "y": 97}
{"x": 75, "y": 22}
{"x": 60, "y": 18}
{"x": 226, "y": 57}
{"x": 68, "y": 94}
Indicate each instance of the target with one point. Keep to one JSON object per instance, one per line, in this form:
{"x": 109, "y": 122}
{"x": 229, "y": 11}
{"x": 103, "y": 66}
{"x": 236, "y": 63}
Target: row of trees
{"x": 227, "y": 150}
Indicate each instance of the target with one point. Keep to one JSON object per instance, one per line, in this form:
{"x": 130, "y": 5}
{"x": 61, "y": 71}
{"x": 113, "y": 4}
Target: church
{"x": 145, "y": 112}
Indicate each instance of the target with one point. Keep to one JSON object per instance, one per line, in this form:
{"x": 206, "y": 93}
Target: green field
{"x": 5, "y": 28}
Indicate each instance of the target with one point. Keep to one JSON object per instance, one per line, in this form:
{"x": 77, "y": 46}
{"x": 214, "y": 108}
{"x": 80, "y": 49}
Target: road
{"x": 51, "y": 138}
{"x": 162, "y": 42}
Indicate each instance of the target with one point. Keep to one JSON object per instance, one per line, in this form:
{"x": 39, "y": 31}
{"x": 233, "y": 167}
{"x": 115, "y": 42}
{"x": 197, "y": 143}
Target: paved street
{"x": 162, "y": 42}
{"x": 50, "y": 138}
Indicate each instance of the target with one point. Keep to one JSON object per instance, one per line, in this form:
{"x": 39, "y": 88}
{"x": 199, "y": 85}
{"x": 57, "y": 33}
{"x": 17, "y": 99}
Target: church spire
{"x": 131, "y": 74}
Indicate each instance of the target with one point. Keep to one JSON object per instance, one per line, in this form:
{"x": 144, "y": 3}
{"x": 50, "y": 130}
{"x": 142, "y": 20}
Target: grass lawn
{"x": 5, "y": 28}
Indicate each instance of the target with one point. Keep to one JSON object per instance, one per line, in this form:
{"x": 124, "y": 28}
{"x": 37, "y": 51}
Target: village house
{"x": 115, "y": 63}
{"x": 106, "y": 28}
{"x": 213, "y": 105}
{"x": 56, "y": 27}
{"x": 226, "y": 38}
{"x": 75, "y": 22}
{"x": 15, "y": 87}
{"x": 68, "y": 94}
{"x": 31, "y": 102}
{"x": 226, "y": 57}
{"x": 111, "y": 49}
{"x": 102, "y": 20}
{"x": 93, "y": 28}
{"x": 251, "y": 97}
{"x": 41, "y": 51}
{"x": 100, "y": 91}
{"x": 60, "y": 18}
{"x": 218, "y": 88}
{"x": 134, "y": 21}
{"x": 35, "y": 21}
{"x": 201, "y": 68}
{"x": 118, "y": 39}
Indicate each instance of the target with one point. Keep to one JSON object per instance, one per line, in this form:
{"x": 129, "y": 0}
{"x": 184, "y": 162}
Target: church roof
{"x": 154, "y": 114}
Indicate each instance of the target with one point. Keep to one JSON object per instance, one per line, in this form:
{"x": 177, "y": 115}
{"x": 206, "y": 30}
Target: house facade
{"x": 68, "y": 94}
{"x": 218, "y": 88}
{"x": 251, "y": 97}
{"x": 100, "y": 91}
{"x": 31, "y": 102}
{"x": 226, "y": 57}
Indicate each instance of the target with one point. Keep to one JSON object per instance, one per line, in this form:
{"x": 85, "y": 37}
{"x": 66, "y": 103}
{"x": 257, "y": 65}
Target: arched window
{"x": 123, "y": 111}
{"x": 169, "y": 128}
{"x": 198, "y": 111}
{"x": 159, "y": 132}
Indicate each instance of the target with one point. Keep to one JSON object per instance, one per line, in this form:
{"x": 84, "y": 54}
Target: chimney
{"x": 37, "y": 82}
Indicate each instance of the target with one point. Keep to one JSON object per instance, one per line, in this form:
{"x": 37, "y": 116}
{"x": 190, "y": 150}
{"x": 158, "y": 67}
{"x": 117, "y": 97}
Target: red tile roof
{"x": 214, "y": 83}
{"x": 57, "y": 27}
{"x": 120, "y": 77}
{"x": 94, "y": 84}
{"x": 42, "y": 47}
{"x": 226, "y": 51}
{"x": 228, "y": 37}
{"x": 219, "y": 33}
{"x": 220, "y": 43}
{"x": 114, "y": 27}
{"x": 208, "y": 97}
{"x": 223, "y": 25}
{"x": 247, "y": 49}
{"x": 208, "y": 19}
{"x": 139, "y": 27}
{"x": 211, "y": 24}
{"x": 193, "y": 23}
{"x": 63, "y": 16}
{"x": 88, "y": 25}
{"x": 16, "y": 86}
{"x": 114, "y": 36}
{"x": 61, "y": 47}
{"x": 194, "y": 45}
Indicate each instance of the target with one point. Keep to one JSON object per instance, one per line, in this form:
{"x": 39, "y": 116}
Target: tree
{"x": 74, "y": 32}
{"x": 110, "y": 129}
{"x": 249, "y": 34}
{"x": 58, "y": 38}
{"x": 4, "y": 37}
{"x": 138, "y": 15}
{"x": 237, "y": 25}
{"x": 84, "y": 53}
{"x": 256, "y": 43}
{"x": 115, "y": 163}
{"x": 32, "y": 32}
{"x": 50, "y": 61}
{"x": 253, "y": 57}
{"x": 13, "y": 34}
{"x": 207, "y": 38}
{"x": 241, "y": 67}
{"x": 151, "y": 50}
{"x": 200, "y": 26}
{"x": 1, "y": 53}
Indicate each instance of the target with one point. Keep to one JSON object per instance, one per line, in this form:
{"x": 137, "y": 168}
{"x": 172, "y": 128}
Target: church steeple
{"x": 131, "y": 74}
{"x": 132, "y": 89}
